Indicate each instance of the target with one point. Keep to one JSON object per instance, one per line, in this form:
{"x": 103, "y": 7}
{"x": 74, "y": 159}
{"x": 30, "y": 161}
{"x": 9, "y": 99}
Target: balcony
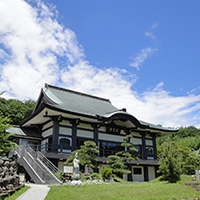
{"x": 103, "y": 152}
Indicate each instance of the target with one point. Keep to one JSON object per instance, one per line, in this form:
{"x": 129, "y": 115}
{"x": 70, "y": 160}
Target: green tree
{"x": 190, "y": 131}
{"x": 15, "y": 109}
{"x": 120, "y": 162}
{"x": 190, "y": 160}
{"x": 170, "y": 161}
{"x": 106, "y": 173}
{"x": 87, "y": 154}
{"x": 5, "y": 144}
{"x": 118, "y": 165}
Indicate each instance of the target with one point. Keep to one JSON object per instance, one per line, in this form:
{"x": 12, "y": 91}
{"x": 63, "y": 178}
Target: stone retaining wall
{"x": 9, "y": 180}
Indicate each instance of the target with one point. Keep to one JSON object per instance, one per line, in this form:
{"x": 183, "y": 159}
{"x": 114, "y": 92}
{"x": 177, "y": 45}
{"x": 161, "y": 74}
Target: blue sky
{"x": 143, "y": 55}
{"x": 112, "y": 32}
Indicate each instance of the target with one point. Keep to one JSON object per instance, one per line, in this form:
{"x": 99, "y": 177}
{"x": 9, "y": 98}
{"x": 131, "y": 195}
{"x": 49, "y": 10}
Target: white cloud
{"x": 139, "y": 59}
{"x": 34, "y": 38}
{"x": 150, "y": 32}
{"x": 155, "y": 25}
{"x": 36, "y": 49}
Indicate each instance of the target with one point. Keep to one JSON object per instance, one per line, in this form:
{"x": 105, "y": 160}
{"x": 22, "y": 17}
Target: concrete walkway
{"x": 35, "y": 192}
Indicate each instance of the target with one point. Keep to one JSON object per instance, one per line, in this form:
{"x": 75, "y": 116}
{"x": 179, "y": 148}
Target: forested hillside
{"x": 186, "y": 147}
{"x": 15, "y": 110}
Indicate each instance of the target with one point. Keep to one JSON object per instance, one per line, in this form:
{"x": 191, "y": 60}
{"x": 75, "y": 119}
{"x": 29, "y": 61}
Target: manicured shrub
{"x": 95, "y": 176}
{"x": 106, "y": 173}
{"x": 83, "y": 178}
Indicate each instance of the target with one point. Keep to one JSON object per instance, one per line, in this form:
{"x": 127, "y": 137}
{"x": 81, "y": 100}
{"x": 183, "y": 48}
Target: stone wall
{"x": 9, "y": 180}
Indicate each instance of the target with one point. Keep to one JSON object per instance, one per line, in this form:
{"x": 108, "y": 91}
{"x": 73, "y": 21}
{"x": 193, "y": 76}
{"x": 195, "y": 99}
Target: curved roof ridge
{"x": 75, "y": 92}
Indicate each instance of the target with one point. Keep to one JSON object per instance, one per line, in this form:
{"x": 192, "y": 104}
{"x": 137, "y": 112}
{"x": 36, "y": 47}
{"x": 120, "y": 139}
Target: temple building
{"x": 63, "y": 119}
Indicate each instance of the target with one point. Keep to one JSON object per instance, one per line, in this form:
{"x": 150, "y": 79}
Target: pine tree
{"x": 87, "y": 154}
{"x": 120, "y": 162}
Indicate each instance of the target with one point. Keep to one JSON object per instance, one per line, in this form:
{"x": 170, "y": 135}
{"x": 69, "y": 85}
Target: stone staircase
{"x": 194, "y": 185}
{"x": 39, "y": 168}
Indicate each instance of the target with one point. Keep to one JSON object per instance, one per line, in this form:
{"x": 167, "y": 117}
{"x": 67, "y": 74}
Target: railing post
{"x": 22, "y": 152}
{"x": 46, "y": 147}
{"x": 61, "y": 148}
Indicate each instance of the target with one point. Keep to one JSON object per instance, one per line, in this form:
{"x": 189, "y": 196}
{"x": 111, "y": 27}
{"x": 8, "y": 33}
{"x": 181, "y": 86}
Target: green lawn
{"x": 136, "y": 191}
{"x": 17, "y": 194}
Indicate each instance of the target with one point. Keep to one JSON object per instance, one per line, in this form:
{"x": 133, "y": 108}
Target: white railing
{"x": 28, "y": 154}
{"x": 39, "y": 163}
{"x": 37, "y": 154}
{"x": 48, "y": 164}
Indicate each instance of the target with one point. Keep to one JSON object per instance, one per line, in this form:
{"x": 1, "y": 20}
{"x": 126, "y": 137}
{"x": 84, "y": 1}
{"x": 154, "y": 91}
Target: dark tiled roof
{"x": 78, "y": 102}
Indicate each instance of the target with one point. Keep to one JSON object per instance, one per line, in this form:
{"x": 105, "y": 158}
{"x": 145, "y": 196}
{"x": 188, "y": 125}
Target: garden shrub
{"x": 106, "y": 173}
{"x": 83, "y": 178}
{"x": 95, "y": 176}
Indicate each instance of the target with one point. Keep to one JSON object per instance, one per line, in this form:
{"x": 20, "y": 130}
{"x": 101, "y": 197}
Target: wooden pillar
{"x": 143, "y": 146}
{"x": 129, "y": 140}
{"x": 96, "y": 135}
{"x": 154, "y": 146}
{"x": 74, "y": 133}
{"x": 55, "y": 134}
{"x": 146, "y": 173}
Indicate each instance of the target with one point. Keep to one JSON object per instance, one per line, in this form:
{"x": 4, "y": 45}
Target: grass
{"x": 17, "y": 194}
{"x": 184, "y": 179}
{"x": 135, "y": 191}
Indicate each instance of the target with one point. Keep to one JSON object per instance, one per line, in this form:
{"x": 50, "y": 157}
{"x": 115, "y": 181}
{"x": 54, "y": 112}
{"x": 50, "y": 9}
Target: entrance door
{"x": 138, "y": 173}
{"x": 151, "y": 172}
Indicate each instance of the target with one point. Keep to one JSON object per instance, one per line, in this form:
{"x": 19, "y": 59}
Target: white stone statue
{"x": 76, "y": 173}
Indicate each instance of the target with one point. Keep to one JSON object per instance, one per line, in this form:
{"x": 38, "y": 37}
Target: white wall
{"x": 65, "y": 131}
{"x": 136, "y": 141}
{"x": 149, "y": 142}
{"x": 88, "y": 126}
{"x": 109, "y": 137}
{"x": 47, "y": 125}
{"x": 102, "y": 129}
{"x": 86, "y": 134}
{"x": 47, "y": 133}
{"x": 65, "y": 122}
{"x": 136, "y": 134}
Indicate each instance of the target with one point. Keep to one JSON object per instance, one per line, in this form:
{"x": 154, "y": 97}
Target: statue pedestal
{"x": 76, "y": 177}
{"x": 76, "y": 182}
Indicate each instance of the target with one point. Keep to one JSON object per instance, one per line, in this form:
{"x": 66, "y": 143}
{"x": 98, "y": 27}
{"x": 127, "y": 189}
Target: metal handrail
{"x": 52, "y": 168}
{"x": 47, "y": 163}
{"x": 27, "y": 153}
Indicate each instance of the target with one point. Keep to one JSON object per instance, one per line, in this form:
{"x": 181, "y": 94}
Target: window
{"x": 139, "y": 152}
{"x": 109, "y": 148}
{"x": 137, "y": 171}
{"x": 32, "y": 143}
{"x": 64, "y": 143}
{"x": 80, "y": 141}
{"x": 24, "y": 143}
{"x": 149, "y": 151}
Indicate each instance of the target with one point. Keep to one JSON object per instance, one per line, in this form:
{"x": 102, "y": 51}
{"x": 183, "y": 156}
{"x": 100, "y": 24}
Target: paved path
{"x": 35, "y": 192}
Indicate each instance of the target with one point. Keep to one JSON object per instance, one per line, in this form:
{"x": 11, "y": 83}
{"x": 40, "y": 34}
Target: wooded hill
{"x": 16, "y": 110}
{"x": 185, "y": 145}
{"x": 187, "y": 137}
